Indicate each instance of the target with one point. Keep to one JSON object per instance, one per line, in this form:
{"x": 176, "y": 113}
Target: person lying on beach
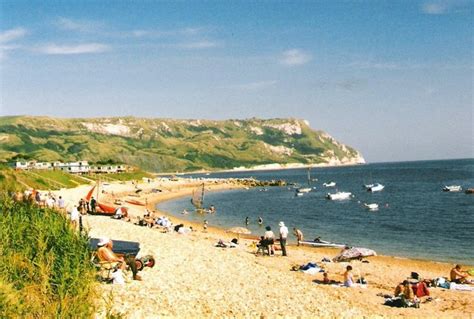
{"x": 105, "y": 253}
{"x": 457, "y": 275}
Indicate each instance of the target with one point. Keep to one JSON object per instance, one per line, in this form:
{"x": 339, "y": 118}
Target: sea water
{"x": 415, "y": 217}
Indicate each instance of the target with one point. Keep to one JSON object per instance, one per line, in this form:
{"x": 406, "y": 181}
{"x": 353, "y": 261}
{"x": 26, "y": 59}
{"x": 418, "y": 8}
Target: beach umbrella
{"x": 354, "y": 253}
{"x": 239, "y": 231}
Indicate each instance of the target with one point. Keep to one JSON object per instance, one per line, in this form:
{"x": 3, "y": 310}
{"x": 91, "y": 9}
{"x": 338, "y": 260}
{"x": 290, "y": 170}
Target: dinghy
{"x": 321, "y": 243}
{"x": 330, "y": 184}
{"x": 339, "y": 195}
{"x": 452, "y": 188}
{"x": 373, "y": 206}
{"x": 376, "y": 188}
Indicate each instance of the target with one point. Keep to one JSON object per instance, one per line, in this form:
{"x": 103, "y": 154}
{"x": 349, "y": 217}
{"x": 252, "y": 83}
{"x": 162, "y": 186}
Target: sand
{"x": 192, "y": 278}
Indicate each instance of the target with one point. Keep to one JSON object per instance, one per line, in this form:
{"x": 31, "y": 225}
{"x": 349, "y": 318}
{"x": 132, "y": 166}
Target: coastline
{"x": 197, "y": 271}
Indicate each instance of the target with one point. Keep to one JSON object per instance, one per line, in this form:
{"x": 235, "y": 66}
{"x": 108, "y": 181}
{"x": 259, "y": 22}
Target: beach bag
{"x": 117, "y": 277}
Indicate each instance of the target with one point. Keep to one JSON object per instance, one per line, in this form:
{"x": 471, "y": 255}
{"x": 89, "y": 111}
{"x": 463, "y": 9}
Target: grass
{"x": 128, "y": 176}
{"x": 45, "y": 270}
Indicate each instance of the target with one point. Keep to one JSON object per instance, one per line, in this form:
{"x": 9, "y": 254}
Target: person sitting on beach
{"x": 457, "y": 275}
{"x": 262, "y": 246}
{"x": 270, "y": 237}
{"x": 348, "y": 278}
{"x": 105, "y": 253}
{"x": 326, "y": 278}
{"x": 299, "y": 235}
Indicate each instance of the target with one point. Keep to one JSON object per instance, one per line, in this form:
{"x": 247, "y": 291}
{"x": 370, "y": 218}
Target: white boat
{"x": 376, "y": 188}
{"x": 339, "y": 196}
{"x": 330, "y": 184}
{"x": 299, "y": 194}
{"x": 373, "y": 206}
{"x": 367, "y": 186}
{"x": 452, "y": 188}
{"x": 303, "y": 190}
{"x": 321, "y": 243}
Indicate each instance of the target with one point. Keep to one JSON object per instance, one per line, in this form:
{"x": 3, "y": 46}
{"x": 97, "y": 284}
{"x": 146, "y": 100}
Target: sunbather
{"x": 105, "y": 253}
{"x": 348, "y": 278}
{"x": 458, "y": 275}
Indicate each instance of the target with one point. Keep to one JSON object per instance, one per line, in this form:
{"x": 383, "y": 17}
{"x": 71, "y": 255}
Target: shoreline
{"x": 221, "y": 230}
{"x": 191, "y": 274}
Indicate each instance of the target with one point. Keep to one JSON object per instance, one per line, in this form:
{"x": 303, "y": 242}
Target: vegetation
{"x": 45, "y": 269}
{"x": 164, "y": 145}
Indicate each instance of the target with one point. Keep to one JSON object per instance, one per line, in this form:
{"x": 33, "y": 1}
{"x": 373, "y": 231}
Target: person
{"x": 408, "y": 296}
{"x": 457, "y": 275}
{"x": 326, "y": 280}
{"x": 260, "y": 220}
{"x": 400, "y": 287}
{"x": 269, "y": 236}
{"x": 247, "y": 221}
{"x": 93, "y": 205}
{"x": 61, "y": 204}
{"x": 283, "y": 237}
{"x": 212, "y": 209}
{"x": 299, "y": 235}
{"x": 348, "y": 278}
{"x": 105, "y": 253}
{"x": 74, "y": 217}
{"x": 82, "y": 206}
{"x": 204, "y": 226}
{"x": 38, "y": 198}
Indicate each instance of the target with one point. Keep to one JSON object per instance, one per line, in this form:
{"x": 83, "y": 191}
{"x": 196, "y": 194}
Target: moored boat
{"x": 376, "y": 188}
{"x": 339, "y": 195}
{"x": 321, "y": 243}
{"x": 329, "y": 184}
{"x": 373, "y": 206}
{"x": 452, "y": 188}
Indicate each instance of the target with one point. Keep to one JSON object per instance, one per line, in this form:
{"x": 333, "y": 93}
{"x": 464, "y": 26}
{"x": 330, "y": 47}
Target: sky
{"x": 393, "y": 79}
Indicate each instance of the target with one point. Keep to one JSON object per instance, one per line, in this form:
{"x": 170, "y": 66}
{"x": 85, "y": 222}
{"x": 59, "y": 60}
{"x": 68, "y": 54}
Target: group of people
{"x": 267, "y": 241}
{"x": 48, "y": 200}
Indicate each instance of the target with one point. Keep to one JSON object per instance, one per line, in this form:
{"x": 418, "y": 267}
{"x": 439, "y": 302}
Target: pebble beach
{"x": 193, "y": 278}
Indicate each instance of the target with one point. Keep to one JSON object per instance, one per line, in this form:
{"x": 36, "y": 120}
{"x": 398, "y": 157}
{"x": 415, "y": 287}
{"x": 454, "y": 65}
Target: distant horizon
{"x": 393, "y": 79}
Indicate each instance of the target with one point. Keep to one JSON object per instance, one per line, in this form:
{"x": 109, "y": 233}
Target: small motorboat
{"x": 321, "y": 243}
{"x": 367, "y": 186}
{"x": 330, "y": 184}
{"x": 373, "y": 206}
{"x": 452, "y": 188}
{"x": 339, "y": 196}
{"x": 303, "y": 190}
{"x": 299, "y": 194}
{"x": 376, "y": 188}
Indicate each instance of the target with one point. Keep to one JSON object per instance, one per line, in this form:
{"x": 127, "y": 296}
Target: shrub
{"x": 45, "y": 269}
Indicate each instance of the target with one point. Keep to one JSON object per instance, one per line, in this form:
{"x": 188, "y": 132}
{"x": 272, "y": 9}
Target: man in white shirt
{"x": 74, "y": 217}
{"x": 283, "y": 237}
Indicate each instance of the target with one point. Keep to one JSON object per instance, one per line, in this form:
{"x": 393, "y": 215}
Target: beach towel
{"x": 462, "y": 287}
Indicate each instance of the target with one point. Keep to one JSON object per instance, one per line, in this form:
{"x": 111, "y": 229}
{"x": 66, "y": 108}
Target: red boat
{"x": 104, "y": 209}
{"x": 135, "y": 202}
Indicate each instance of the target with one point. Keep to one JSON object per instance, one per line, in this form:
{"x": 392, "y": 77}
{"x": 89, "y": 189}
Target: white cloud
{"x": 198, "y": 45}
{"x": 439, "y": 7}
{"x": 295, "y": 57}
{"x": 434, "y": 8}
{"x": 77, "y": 25}
{"x": 252, "y": 86}
{"x": 12, "y": 34}
{"x": 74, "y": 49}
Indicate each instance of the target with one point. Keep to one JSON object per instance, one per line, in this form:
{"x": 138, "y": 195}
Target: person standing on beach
{"x": 74, "y": 217}
{"x": 269, "y": 237}
{"x": 93, "y": 204}
{"x": 204, "y": 226}
{"x": 283, "y": 237}
{"x": 299, "y": 235}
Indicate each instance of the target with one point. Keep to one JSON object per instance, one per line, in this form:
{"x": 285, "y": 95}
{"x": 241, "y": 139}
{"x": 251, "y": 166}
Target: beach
{"x": 194, "y": 278}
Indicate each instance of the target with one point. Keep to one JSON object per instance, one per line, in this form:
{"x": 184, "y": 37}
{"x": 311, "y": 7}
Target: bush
{"x": 45, "y": 269}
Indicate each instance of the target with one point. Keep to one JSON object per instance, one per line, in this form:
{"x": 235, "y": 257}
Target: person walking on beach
{"x": 299, "y": 235}
{"x": 283, "y": 237}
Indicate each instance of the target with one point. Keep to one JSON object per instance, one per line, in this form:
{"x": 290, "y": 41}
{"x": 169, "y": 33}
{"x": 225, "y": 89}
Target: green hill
{"x": 162, "y": 145}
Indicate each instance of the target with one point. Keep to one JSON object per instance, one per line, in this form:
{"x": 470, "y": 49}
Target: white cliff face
{"x": 287, "y": 128}
{"x": 280, "y": 150}
{"x": 106, "y": 128}
{"x": 256, "y": 130}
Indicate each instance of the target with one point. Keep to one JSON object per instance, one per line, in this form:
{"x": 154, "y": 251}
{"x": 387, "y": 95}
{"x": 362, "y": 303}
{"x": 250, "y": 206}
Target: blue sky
{"x": 394, "y": 79}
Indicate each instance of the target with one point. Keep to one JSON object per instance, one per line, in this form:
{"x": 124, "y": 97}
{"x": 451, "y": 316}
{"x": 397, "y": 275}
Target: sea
{"x": 415, "y": 218}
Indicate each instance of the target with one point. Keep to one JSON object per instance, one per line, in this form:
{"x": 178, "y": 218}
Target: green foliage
{"x": 45, "y": 269}
{"x": 167, "y": 145}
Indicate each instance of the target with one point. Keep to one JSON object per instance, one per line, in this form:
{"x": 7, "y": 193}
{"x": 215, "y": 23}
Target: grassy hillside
{"x": 45, "y": 270}
{"x": 170, "y": 145}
